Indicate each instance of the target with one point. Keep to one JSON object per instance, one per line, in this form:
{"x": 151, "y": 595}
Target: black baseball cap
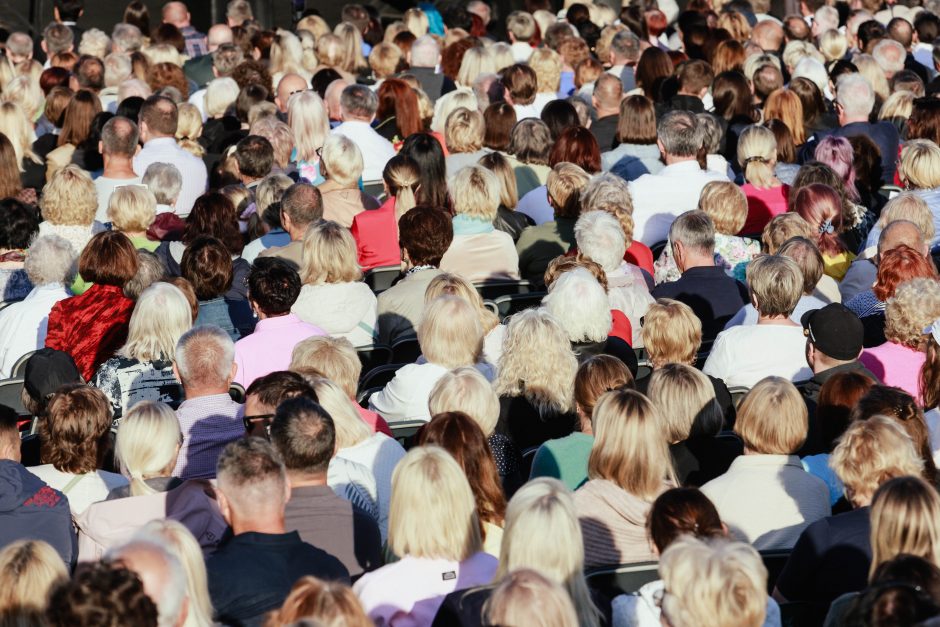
{"x": 835, "y": 330}
{"x": 48, "y": 370}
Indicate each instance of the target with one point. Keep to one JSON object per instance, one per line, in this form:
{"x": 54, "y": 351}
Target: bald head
{"x": 290, "y": 84}
{"x": 162, "y": 575}
{"x": 218, "y": 35}
{"x": 768, "y": 34}
{"x": 902, "y": 233}
{"x": 608, "y": 91}
{"x": 176, "y": 13}
{"x": 332, "y": 95}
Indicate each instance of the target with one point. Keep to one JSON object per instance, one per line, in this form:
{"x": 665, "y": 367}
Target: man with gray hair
{"x": 56, "y": 38}
{"x": 19, "y": 48}
{"x": 624, "y": 54}
{"x": 253, "y": 572}
{"x": 713, "y": 295}
{"x": 301, "y": 206}
{"x": 659, "y": 198}
{"x": 161, "y": 573}
{"x": 424, "y": 58}
{"x": 50, "y": 266}
{"x": 209, "y": 418}
{"x": 358, "y": 105}
{"x": 126, "y": 38}
{"x": 117, "y": 69}
{"x": 118, "y": 145}
{"x": 165, "y": 182}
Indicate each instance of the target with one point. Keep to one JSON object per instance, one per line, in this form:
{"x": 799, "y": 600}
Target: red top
{"x": 376, "y": 235}
{"x": 375, "y": 422}
{"x": 762, "y": 206}
{"x": 621, "y": 326}
{"x": 639, "y": 254}
{"x": 90, "y": 327}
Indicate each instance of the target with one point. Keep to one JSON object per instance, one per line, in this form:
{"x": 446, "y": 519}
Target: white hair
{"x": 133, "y": 87}
{"x": 221, "y": 94}
{"x": 205, "y": 354}
{"x": 165, "y": 182}
{"x": 165, "y": 571}
{"x": 813, "y": 70}
{"x": 425, "y": 52}
{"x": 126, "y": 38}
{"x": 448, "y": 103}
{"x": 827, "y": 17}
{"x": 600, "y": 237}
{"x": 580, "y": 305}
{"x": 161, "y": 316}
{"x": 94, "y": 43}
{"x": 117, "y": 69}
{"x": 889, "y": 55}
{"x": 855, "y": 94}
{"x": 51, "y": 259}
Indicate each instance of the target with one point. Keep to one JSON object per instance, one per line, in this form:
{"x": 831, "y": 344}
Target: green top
{"x": 80, "y": 286}
{"x": 538, "y": 245}
{"x": 565, "y": 459}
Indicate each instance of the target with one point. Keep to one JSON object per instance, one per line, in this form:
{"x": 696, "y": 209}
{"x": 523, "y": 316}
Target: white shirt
{"x": 743, "y": 355}
{"x": 376, "y": 150}
{"x": 91, "y": 488}
{"x": 521, "y": 51}
{"x": 192, "y": 169}
{"x": 768, "y": 500}
{"x": 379, "y": 454}
{"x": 660, "y": 198}
{"x": 406, "y": 396}
{"x": 23, "y": 325}
{"x": 105, "y": 186}
{"x": 524, "y": 111}
{"x": 198, "y": 100}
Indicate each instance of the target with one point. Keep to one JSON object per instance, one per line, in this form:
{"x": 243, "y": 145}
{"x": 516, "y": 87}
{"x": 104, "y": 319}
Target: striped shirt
{"x": 208, "y": 423}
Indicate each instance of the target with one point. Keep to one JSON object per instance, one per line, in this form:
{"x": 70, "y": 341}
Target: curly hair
{"x": 102, "y": 595}
{"x": 252, "y": 72}
{"x": 69, "y": 198}
{"x": 273, "y": 285}
{"x": 915, "y": 305}
{"x": 161, "y": 75}
{"x": 74, "y": 434}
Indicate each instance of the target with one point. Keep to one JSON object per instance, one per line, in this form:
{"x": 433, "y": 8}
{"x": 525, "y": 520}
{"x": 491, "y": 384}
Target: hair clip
{"x": 758, "y": 159}
{"x": 826, "y": 227}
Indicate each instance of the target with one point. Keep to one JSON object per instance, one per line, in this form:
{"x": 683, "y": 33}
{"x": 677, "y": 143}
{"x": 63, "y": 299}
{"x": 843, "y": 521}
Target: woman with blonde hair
{"x": 69, "y": 202}
{"x": 416, "y": 21}
{"x": 29, "y": 571}
{"x": 448, "y": 541}
{"x": 189, "y": 129}
{"x": 785, "y": 105}
{"x": 132, "y": 209}
{"x": 508, "y": 220}
{"x": 766, "y": 195}
{"x": 541, "y": 533}
{"x": 333, "y": 297}
{"x": 905, "y": 518}
{"x": 447, "y": 104}
{"x": 766, "y": 498}
{"x": 524, "y": 597}
{"x": 307, "y": 118}
{"x": 329, "y": 603}
{"x": 341, "y": 163}
{"x": 287, "y": 56}
{"x": 833, "y": 45}
{"x": 372, "y": 230}
{"x": 463, "y": 135}
{"x": 450, "y": 337}
{"x": 147, "y": 445}
{"x": 628, "y": 468}
{"x": 476, "y": 61}
{"x": 350, "y": 39}
{"x": 18, "y": 129}
{"x": 455, "y": 285}
{"x": 547, "y": 66}
{"x": 535, "y": 380}
{"x": 897, "y": 109}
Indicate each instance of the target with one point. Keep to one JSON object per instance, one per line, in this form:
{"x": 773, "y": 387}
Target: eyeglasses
{"x": 253, "y": 424}
{"x": 319, "y": 152}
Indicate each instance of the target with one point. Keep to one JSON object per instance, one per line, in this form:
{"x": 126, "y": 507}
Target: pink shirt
{"x": 762, "y": 206}
{"x": 375, "y": 422}
{"x": 896, "y": 365}
{"x": 269, "y": 348}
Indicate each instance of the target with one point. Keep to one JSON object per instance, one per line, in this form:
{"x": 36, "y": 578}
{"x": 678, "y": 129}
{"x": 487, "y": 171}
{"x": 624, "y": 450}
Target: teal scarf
{"x": 469, "y": 225}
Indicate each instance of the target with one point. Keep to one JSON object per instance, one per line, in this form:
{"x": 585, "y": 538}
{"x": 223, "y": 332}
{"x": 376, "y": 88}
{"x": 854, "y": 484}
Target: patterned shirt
{"x": 195, "y": 42}
{"x": 126, "y": 381}
{"x": 208, "y": 423}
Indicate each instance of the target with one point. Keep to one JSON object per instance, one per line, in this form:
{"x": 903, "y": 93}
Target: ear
{"x": 225, "y": 508}
{"x": 176, "y": 373}
{"x": 233, "y": 373}
{"x": 659, "y": 144}
{"x": 100, "y": 147}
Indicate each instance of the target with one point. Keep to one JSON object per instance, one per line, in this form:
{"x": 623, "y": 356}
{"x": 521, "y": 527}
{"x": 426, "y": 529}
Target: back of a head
{"x": 304, "y": 435}
{"x": 273, "y": 285}
{"x": 686, "y": 399}
{"x": 695, "y": 230}
{"x": 147, "y": 443}
{"x": 331, "y": 602}
{"x": 600, "y": 237}
{"x": 359, "y": 101}
{"x": 905, "y": 518}
{"x": 785, "y": 432}
{"x": 204, "y": 357}
{"x": 776, "y": 284}
{"x": 254, "y": 156}
{"x": 466, "y": 390}
{"x": 450, "y": 334}
{"x": 160, "y": 115}
{"x": 75, "y": 428}
{"x": 524, "y": 597}
{"x": 900, "y": 233}
{"x": 303, "y": 204}
{"x": 119, "y": 136}
{"x": 102, "y": 594}
{"x": 855, "y": 95}
{"x": 161, "y": 573}
{"x": 252, "y": 478}
{"x": 29, "y": 570}
{"x": 580, "y": 305}
{"x": 682, "y": 511}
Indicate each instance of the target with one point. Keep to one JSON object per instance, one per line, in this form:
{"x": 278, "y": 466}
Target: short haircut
{"x": 226, "y": 58}
{"x": 251, "y": 475}
{"x": 221, "y": 94}
{"x": 102, "y": 593}
{"x": 160, "y": 115}
{"x": 596, "y": 376}
{"x": 772, "y": 419}
{"x": 920, "y": 164}
{"x": 564, "y": 185}
{"x": 807, "y": 256}
{"x": 51, "y": 259}
{"x": 476, "y": 192}
{"x": 695, "y": 230}
{"x": 530, "y": 141}
{"x": 304, "y": 435}
{"x": 254, "y": 156}
{"x": 775, "y": 283}
{"x": 682, "y": 511}
{"x": 329, "y": 255}
{"x": 69, "y": 197}
{"x": 333, "y": 357}
{"x": 58, "y": 38}
{"x": 672, "y": 333}
{"x": 855, "y": 95}
{"x": 726, "y": 204}
{"x": 204, "y": 355}
{"x": 273, "y": 285}
{"x": 119, "y": 136}
{"x": 783, "y": 227}
{"x": 680, "y": 133}
{"x": 463, "y": 130}
{"x": 342, "y": 160}
{"x": 132, "y": 208}
{"x": 695, "y": 75}
{"x": 425, "y": 233}
{"x": 450, "y": 334}
{"x": 522, "y": 25}
{"x": 466, "y": 390}
{"x": 384, "y": 59}
{"x": 303, "y": 204}
{"x": 207, "y": 264}
{"x": 109, "y": 258}
{"x": 521, "y": 82}
{"x": 165, "y": 182}
{"x": 600, "y": 238}
{"x": 626, "y": 46}
{"x": 359, "y": 100}
{"x": 75, "y": 428}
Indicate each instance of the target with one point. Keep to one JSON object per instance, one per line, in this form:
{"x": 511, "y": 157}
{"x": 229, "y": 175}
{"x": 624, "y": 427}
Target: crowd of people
{"x": 440, "y": 318}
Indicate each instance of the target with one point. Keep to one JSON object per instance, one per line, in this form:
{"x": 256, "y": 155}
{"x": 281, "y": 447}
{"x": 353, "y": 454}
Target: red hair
{"x": 899, "y": 265}
{"x": 821, "y": 207}
{"x": 577, "y": 145}
{"x": 396, "y": 97}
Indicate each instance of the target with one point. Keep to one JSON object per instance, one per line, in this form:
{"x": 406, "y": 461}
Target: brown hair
{"x": 577, "y": 145}
{"x": 109, "y": 258}
{"x": 521, "y": 82}
{"x": 186, "y": 288}
{"x": 837, "y": 398}
{"x": 597, "y": 375}
{"x": 74, "y": 433}
{"x": 214, "y": 214}
{"x": 637, "y": 121}
{"x": 499, "y": 118}
{"x": 10, "y": 181}
{"x": 208, "y": 266}
{"x": 160, "y": 115}
{"x": 652, "y": 69}
{"x": 78, "y": 117}
{"x": 681, "y": 511}
{"x": 162, "y": 75}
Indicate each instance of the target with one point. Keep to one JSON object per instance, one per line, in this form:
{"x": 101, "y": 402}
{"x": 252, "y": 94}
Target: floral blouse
{"x": 732, "y": 253}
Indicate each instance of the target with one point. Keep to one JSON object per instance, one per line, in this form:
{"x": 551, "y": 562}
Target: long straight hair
{"x": 905, "y": 518}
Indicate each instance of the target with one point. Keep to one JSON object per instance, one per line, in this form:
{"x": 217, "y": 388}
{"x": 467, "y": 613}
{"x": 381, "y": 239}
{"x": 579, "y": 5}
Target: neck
{"x": 135, "y": 233}
{"x": 671, "y": 159}
{"x": 152, "y": 136}
{"x": 296, "y": 232}
{"x": 350, "y": 118}
{"x": 603, "y": 113}
{"x": 852, "y": 120}
{"x": 300, "y": 479}
{"x": 698, "y": 261}
{"x": 191, "y": 392}
{"x": 821, "y": 365}
{"x": 779, "y": 319}
{"x": 118, "y": 167}
{"x": 260, "y": 522}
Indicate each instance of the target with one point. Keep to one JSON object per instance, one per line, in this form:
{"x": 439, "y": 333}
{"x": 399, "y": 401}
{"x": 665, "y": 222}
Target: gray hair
{"x": 149, "y": 270}
{"x": 711, "y": 132}
{"x": 625, "y": 45}
{"x": 855, "y": 95}
{"x": 827, "y": 17}
{"x": 425, "y": 52}
{"x": 580, "y": 305}
{"x": 250, "y": 473}
{"x": 606, "y": 192}
{"x": 58, "y": 38}
{"x": 204, "y": 355}
{"x": 119, "y": 136}
{"x": 165, "y": 181}
{"x": 51, "y": 259}
{"x": 95, "y": 43}
{"x": 126, "y": 38}
{"x": 359, "y": 100}
{"x": 889, "y": 55}
{"x": 695, "y": 230}
{"x": 226, "y": 58}
{"x": 600, "y": 237}
{"x": 20, "y": 43}
{"x": 117, "y": 69}
{"x": 680, "y": 133}
{"x": 165, "y": 572}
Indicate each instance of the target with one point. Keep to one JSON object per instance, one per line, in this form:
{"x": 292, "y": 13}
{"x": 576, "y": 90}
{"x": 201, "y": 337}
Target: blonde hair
{"x": 463, "y": 130}
{"x": 384, "y": 59}
{"x": 455, "y": 285}
{"x": 132, "y": 208}
{"x": 782, "y": 227}
{"x": 163, "y": 53}
{"x": 449, "y": 333}
{"x": 351, "y": 42}
{"x": 416, "y": 21}
{"x": 546, "y": 63}
{"x": 332, "y": 603}
{"x": 161, "y": 316}
{"x": 686, "y": 399}
{"x": 475, "y": 191}
{"x": 785, "y": 105}
{"x": 428, "y": 480}
{"x": 726, "y": 204}
{"x": 508, "y": 190}
{"x": 920, "y": 164}
{"x": 477, "y": 60}
{"x": 672, "y": 333}
{"x": 757, "y": 155}
{"x": 872, "y": 72}
{"x": 564, "y": 185}
{"x": 537, "y": 362}
{"x": 329, "y": 255}
{"x": 914, "y": 306}
{"x": 221, "y": 94}
{"x": 189, "y": 129}
{"x": 775, "y": 282}
{"x": 466, "y": 390}
{"x": 147, "y": 444}
{"x": 772, "y": 419}
{"x": 173, "y": 536}
{"x": 911, "y": 207}
{"x": 341, "y": 160}
{"x": 351, "y": 429}
{"x": 18, "y": 129}
{"x": 307, "y": 118}
{"x": 905, "y": 518}
{"x": 286, "y": 54}
{"x": 898, "y": 106}
{"x": 69, "y": 198}
{"x": 333, "y": 357}
{"x": 833, "y": 45}
{"x": 713, "y": 583}
{"x": 869, "y": 453}
{"x": 314, "y": 24}
{"x": 25, "y": 92}
{"x": 450, "y": 102}
{"x": 29, "y": 571}
{"x": 524, "y": 597}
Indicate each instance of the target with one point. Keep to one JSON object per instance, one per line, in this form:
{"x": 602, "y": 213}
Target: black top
{"x": 33, "y": 175}
{"x": 252, "y": 573}
{"x": 512, "y": 222}
{"x": 814, "y": 444}
{"x": 434, "y": 84}
{"x": 831, "y": 558}
{"x": 613, "y": 346}
{"x": 884, "y": 134}
{"x": 699, "y": 460}
{"x": 713, "y": 296}
{"x": 722, "y": 397}
{"x": 520, "y": 420}
{"x": 605, "y": 131}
